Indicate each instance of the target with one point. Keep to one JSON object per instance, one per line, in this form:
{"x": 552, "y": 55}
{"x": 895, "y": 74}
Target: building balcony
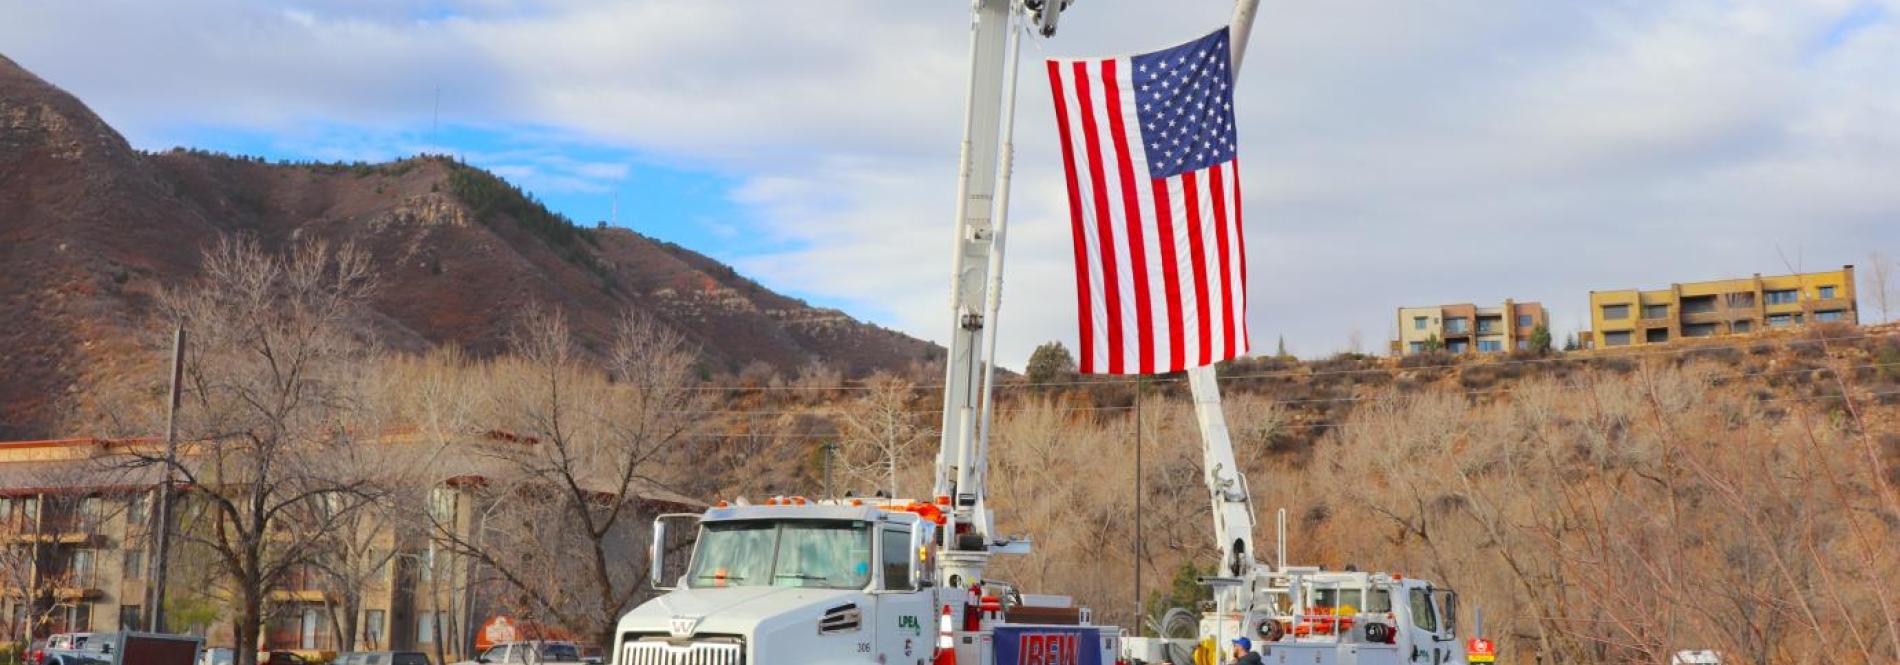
{"x": 77, "y": 593}
{"x": 1713, "y": 315}
{"x": 51, "y": 538}
{"x": 300, "y": 596}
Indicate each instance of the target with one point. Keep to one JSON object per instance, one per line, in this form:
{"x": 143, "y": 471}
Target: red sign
{"x": 1044, "y": 649}
{"x": 1480, "y": 650}
{"x": 499, "y": 629}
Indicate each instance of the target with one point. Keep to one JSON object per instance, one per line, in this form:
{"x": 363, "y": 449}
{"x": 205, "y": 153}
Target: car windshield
{"x": 822, "y": 554}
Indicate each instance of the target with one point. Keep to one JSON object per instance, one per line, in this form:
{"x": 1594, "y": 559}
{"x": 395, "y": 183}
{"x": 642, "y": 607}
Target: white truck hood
{"x": 749, "y": 611}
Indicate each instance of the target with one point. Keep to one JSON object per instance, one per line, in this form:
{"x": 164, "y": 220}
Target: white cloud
{"x": 1394, "y": 153}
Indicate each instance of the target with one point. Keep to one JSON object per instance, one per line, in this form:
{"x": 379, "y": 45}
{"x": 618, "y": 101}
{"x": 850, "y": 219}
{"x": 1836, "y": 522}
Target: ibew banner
{"x": 1048, "y": 645}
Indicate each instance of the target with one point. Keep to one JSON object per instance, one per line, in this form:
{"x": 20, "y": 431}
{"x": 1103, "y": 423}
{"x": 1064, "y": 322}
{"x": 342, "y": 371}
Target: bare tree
{"x": 879, "y": 430}
{"x": 277, "y": 345}
{"x": 573, "y": 462}
{"x": 1880, "y": 282}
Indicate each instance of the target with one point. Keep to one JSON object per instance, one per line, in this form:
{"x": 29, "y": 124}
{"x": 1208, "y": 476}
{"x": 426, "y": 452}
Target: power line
{"x": 1310, "y": 426}
{"x": 1311, "y": 400}
{"x": 1306, "y": 372}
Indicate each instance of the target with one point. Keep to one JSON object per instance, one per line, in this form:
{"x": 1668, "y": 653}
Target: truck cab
{"x": 791, "y": 581}
{"x": 1350, "y": 617}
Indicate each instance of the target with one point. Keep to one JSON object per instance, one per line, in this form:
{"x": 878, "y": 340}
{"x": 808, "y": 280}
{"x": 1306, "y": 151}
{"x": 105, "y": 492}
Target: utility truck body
{"x": 846, "y": 581}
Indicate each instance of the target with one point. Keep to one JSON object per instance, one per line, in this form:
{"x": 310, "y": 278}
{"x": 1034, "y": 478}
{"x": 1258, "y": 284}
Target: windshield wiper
{"x": 802, "y": 576}
{"x": 729, "y": 578}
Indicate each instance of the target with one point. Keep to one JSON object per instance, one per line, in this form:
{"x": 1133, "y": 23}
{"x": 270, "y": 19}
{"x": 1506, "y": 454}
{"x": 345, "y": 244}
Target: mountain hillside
{"x": 91, "y": 228}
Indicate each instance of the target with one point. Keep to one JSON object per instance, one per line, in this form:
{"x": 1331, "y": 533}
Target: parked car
{"x": 280, "y": 658}
{"x": 531, "y": 653}
{"x": 218, "y": 656}
{"x": 78, "y": 649}
{"x": 382, "y": 658}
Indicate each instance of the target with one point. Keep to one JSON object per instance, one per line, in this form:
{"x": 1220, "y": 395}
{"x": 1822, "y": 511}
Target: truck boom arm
{"x": 1228, "y": 494}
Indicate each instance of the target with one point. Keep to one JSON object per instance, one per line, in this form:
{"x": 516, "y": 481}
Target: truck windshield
{"x": 830, "y": 555}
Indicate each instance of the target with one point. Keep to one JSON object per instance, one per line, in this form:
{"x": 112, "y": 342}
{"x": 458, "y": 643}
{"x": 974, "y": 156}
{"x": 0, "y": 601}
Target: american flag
{"x": 1148, "y": 149}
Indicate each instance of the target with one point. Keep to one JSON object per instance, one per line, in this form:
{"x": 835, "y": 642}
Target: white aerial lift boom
{"x": 883, "y": 580}
{"x": 1279, "y": 609}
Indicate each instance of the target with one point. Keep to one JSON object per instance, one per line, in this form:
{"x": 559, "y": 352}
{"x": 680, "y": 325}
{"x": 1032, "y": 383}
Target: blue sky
{"x": 1420, "y": 152}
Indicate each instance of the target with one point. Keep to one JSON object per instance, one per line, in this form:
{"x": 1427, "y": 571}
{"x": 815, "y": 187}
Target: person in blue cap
{"x": 1243, "y": 652}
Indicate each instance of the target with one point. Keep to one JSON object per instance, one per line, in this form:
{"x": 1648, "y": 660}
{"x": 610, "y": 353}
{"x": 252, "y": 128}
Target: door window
{"x": 1424, "y": 616}
{"x": 894, "y": 556}
{"x": 1448, "y": 607}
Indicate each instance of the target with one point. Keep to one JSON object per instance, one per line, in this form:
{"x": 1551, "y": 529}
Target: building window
{"x": 425, "y": 628}
{"x": 1782, "y": 297}
{"x": 1656, "y": 335}
{"x": 1698, "y": 304}
{"x": 1459, "y": 346}
{"x": 72, "y": 619}
{"x": 1783, "y": 320}
{"x": 1416, "y": 347}
{"x": 1830, "y": 316}
{"x": 373, "y": 627}
{"x": 1618, "y": 338}
{"x": 314, "y": 631}
{"x": 1490, "y": 345}
{"x": 1742, "y": 326}
{"x": 1489, "y": 324}
{"x": 81, "y": 569}
{"x": 1826, "y": 292}
{"x": 1699, "y": 330}
{"x": 1457, "y": 324}
{"x": 1418, "y": 323}
{"x": 1523, "y": 345}
{"x": 1616, "y": 312}
{"x": 1655, "y": 311}
{"x": 1741, "y": 299}
{"x": 136, "y": 509}
{"x": 129, "y": 618}
{"x": 1524, "y": 321}
{"x": 442, "y": 505}
{"x": 134, "y": 563}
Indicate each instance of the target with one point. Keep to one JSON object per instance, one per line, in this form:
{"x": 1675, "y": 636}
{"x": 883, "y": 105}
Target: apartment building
{"x": 75, "y": 555}
{"x": 1632, "y": 317}
{"x": 1468, "y": 328}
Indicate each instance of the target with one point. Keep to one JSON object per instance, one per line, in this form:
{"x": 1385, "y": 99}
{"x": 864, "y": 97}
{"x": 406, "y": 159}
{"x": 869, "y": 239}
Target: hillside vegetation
{"x": 1601, "y": 508}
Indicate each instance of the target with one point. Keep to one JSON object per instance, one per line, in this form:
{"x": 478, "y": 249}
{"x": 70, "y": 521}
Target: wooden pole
{"x": 162, "y": 557}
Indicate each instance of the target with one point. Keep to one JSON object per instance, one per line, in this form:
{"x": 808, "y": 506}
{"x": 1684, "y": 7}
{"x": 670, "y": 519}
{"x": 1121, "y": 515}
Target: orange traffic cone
{"x": 946, "y": 639}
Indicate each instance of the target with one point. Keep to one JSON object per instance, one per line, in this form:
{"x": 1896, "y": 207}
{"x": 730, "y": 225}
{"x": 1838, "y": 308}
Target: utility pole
{"x": 830, "y": 448}
{"x": 162, "y": 557}
{"x": 1140, "y": 622}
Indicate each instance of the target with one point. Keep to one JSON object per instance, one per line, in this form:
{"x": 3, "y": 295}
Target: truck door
{"x": 1430, "y": 632}
{"x": 906, "y": 632}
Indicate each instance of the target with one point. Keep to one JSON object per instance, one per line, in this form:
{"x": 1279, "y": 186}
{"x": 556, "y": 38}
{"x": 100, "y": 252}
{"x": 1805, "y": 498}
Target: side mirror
{"x": 656, "y": 552}
{"x": 656, "y": 561}
{"x": 920, "y": 563}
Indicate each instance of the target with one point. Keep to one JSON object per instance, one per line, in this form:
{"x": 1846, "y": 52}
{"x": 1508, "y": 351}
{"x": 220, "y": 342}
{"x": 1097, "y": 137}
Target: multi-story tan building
{"x": 75, "y": 555}
{"x": 1631, "y": 317}
{"x": 1468, "y": 328}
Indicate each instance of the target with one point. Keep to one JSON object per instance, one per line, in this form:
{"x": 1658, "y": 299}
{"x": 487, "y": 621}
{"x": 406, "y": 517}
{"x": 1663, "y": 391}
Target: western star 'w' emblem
{"x": 683, "y": 626}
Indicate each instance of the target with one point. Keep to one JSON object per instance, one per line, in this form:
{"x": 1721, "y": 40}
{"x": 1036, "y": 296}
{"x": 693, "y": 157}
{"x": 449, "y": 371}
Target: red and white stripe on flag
{"x": 1153, "y": 180}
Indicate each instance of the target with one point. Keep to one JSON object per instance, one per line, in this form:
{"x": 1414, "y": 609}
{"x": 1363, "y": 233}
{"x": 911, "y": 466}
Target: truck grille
{"x": 660, "y": 652}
